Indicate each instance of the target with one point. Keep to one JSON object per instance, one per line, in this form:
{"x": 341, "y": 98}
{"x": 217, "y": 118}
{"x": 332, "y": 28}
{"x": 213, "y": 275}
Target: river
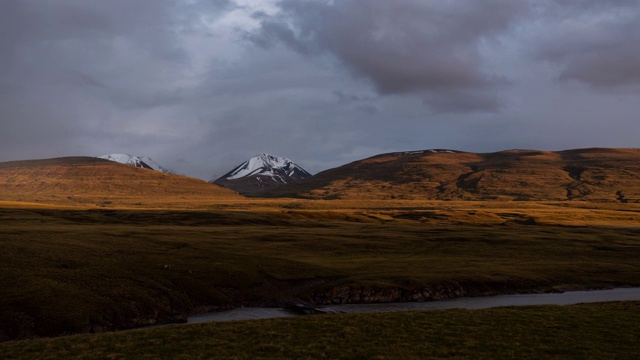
{"x": 565, "y": 298}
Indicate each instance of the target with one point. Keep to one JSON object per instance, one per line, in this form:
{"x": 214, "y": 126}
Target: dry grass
{"x": 588, "y": 331}
{"x": 90, "y": 245}
{"x": 92, "y": 182}
{"x": 70, "y": 270}
{"x": 586, "y": 174}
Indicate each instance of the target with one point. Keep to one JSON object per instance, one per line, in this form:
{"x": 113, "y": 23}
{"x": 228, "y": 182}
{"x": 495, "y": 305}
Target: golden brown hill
{"x": 584, "y": 174}
{"x": 91, "y": 181}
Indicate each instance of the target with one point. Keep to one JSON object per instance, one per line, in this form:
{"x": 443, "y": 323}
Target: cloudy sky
{"x": 200, "y": 86}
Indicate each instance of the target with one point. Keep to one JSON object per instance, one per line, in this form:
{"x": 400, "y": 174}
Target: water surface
{"x": 566, "y": 298}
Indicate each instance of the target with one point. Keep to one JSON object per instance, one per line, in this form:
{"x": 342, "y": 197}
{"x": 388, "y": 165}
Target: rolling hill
{"x": 93, "y": 181}
{"x": 595, "y": 174}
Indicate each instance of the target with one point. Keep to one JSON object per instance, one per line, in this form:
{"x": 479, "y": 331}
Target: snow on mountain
{"x": 260, "y": 172}
{"x": 432, "y": 151}
{"x": 278, "y": 168}
{"x": 137, "y": 161}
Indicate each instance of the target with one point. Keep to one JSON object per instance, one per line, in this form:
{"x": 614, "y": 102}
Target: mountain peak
{"x": 137, "y": 161}
{"x": 279, "y": 169}
{"x": 262, "y": 171}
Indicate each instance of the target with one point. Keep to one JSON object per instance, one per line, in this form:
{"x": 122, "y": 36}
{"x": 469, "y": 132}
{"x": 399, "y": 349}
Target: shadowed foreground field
{"x": 593, "y": 331}
{"x": 72, "y": 270}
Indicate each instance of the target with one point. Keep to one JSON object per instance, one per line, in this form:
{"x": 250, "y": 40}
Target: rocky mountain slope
{"x": 262, "y": 172}
{"x": 596, "y": 174}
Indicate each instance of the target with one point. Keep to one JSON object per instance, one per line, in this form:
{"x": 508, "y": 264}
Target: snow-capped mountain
{"x": 137, "y": 161}
{"x": 278, "y": 169}
{"x": 261, "y": 172}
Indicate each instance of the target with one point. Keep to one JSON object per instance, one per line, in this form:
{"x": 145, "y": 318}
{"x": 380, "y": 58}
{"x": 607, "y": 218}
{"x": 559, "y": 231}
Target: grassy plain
{"x": 585, "y": 331}
{"x": 68, "y": 269}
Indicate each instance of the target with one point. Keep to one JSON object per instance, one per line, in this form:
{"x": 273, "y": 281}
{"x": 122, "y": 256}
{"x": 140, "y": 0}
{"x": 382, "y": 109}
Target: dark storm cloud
{"x": 360, "y": 103}
{"x": 599, "y": 44}
{"x": 73, "y": 68}
{"x": 322, "y": 82}
{"x": 56, "y": 23}
{"x": 403, "y": 47}
{"x": 125, "y": 46}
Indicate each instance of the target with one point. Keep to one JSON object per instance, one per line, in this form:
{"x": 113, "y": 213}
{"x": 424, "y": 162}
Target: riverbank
{"x": 475, "y": 303}
{"x": 594, "y": 331}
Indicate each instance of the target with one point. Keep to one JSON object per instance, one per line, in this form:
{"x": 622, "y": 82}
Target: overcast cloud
{"x": 200, "y": 86}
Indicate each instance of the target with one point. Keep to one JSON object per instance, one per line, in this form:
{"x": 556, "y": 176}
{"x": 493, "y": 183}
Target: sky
{"x": 202, "y": 85}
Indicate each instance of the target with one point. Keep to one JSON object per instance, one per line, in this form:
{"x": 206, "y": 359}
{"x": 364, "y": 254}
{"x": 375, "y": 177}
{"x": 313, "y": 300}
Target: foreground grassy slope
{"x": 66, "y": 271}
{"x": 611, "y": 175}
{"x": 593, "y": 331}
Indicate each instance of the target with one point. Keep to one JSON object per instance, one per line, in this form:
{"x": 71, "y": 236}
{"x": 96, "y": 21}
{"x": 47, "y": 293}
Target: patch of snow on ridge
{"x": 433, "y": 151}
{"x": 137, "y": 161}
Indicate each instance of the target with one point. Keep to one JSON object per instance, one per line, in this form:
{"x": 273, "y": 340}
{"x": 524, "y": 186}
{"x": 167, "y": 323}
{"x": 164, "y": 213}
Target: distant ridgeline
{"x": 597, "y": 174}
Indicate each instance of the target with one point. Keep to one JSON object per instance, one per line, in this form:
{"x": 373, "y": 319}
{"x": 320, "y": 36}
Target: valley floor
{"x": 74, "y": 270}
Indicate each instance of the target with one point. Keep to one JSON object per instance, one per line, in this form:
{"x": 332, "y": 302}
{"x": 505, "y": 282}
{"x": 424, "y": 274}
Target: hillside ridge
{"x": 598, "y": 174}
{"x": 92, "y": 181}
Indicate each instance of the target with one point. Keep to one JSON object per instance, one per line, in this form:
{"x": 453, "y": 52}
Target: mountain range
{"x": 596, "y": 174}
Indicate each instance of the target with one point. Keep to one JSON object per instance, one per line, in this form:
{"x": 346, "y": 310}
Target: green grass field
{"x": 585, "y": 331}
{"x": 67, "y": 271}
